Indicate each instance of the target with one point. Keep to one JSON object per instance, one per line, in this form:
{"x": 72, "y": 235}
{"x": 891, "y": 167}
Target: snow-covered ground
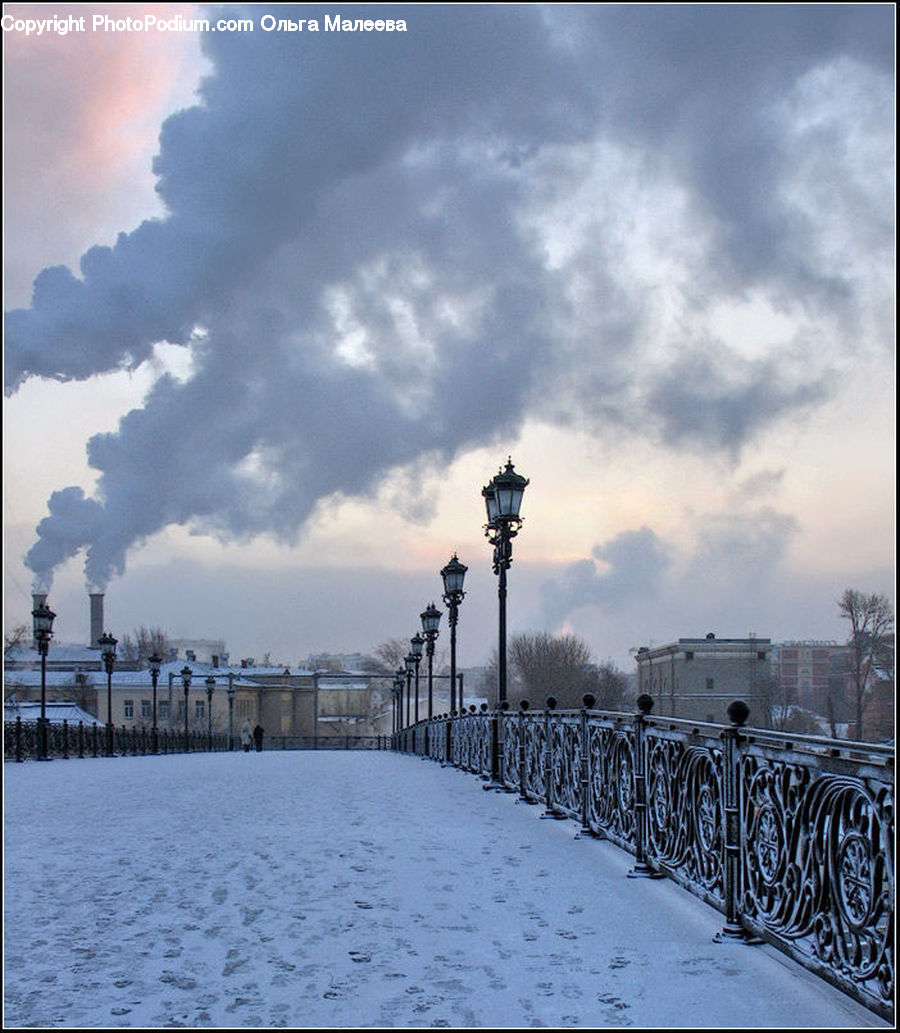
{"x": 351, "y": 889}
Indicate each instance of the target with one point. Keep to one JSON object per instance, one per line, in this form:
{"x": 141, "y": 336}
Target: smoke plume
{"x": 368, "y": 235}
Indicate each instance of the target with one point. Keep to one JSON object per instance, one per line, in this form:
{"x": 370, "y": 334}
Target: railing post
{"x": 20, "y": 756}
{"x": 81, "y": 739}
{"x": 641, "y": 868}
{"x": 65, "y": 750}
{"x": 96, "y": 741}
{"x": 498, "y": 745}
{"x": 738, "y": 712}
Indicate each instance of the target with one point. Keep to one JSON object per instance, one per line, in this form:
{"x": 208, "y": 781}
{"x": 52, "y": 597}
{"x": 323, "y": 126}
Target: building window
{"x": 199, "y": 709}
{"x": 709, "y": 684}
{"x": 244, "y": 707}
{"x": 129, "y": 708}
{"x": 146, "y": 709}
{"x": 163, "y": 709}
{"x": 689, "y": 654}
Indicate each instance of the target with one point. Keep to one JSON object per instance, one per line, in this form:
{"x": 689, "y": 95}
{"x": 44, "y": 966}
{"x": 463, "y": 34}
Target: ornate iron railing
{"x": 21, "y": 741}
{"x": 790, "y": 837}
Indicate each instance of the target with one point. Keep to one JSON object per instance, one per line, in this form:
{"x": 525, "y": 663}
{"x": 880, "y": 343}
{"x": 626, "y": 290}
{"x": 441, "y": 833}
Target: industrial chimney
{"x": 96, "y": 619}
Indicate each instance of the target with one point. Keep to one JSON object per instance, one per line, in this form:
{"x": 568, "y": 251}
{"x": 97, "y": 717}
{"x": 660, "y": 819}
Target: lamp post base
{"x": 644, "y": 871}
{"x": 734, "y": 932}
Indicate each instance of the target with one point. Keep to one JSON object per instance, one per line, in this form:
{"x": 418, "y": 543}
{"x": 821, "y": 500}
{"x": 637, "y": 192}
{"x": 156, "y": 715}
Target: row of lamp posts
{"x": 503, "y": 501}
{"x": 43, "y": 617}
{"x": 453, "y": 575}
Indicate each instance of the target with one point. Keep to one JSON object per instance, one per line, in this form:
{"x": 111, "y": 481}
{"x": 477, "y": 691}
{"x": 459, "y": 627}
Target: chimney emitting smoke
{"x": 96, "y": 619}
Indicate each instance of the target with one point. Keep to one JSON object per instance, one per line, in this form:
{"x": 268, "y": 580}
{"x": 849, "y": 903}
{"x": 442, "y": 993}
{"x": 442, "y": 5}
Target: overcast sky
{"x": 278, "y": 304}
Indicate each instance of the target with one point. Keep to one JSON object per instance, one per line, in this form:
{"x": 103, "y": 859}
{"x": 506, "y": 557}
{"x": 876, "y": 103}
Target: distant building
{"x": 286, "y": 701}
{"x": 697, "y": 678}
{"x": 810, "y": 672}
{"x": 203, "y": 650}
{"x": 338, "y": 661}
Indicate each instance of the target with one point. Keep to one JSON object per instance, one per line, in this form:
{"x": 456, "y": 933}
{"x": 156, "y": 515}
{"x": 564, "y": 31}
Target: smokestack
{"x": 96, "y": 619}
{"x": 37, "y": 599}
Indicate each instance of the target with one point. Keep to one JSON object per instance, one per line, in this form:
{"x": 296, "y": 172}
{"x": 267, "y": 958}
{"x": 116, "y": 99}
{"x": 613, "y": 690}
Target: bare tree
{"x": 144, "y": 644}
{"x": 608, "y": 684}
{"x": 19, "y": 636}
{"x": 870, "y": 643}
{"x": 550, "y": 665}
{"x": 542, "y": 665}
{"x": 389, "y": 655}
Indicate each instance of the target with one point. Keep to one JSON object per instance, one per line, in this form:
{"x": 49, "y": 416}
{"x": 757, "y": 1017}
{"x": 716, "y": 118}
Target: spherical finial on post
{"x": 738, "y": 712}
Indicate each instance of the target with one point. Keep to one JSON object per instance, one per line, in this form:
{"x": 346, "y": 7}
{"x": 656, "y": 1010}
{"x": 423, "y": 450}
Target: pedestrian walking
{"x": 258, "y": 737}
{"x": 246, "y": 736}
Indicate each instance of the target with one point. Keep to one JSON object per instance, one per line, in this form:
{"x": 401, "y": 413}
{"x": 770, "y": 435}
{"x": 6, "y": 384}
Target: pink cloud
{"x": 82, "y": 115}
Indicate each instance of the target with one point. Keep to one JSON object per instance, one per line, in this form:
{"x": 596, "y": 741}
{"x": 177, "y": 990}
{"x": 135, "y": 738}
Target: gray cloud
{"x": 347, "y": 223}
{"x": 633, "y": 565}
{"x": 733, "y": 567}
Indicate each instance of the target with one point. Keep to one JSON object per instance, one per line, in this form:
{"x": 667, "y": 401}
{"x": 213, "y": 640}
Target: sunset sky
{"x": 278, "y": 304}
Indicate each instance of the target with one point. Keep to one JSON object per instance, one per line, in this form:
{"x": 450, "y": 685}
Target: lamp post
{"x": 186, "y": 682}
{"x": 410, "y": 662}
{"x": 431, "y": 617}
{"x": 210, "y": 688}
{"x": 230, "y": 691}
{"x": 502, "y": 499}
{"x": 416, "y": 642}
{"x": 155, "y": 660}
{"x": 453, "y": 574}
{"x": 42, "y": 617}
{"x": 108, "y": 645}
{"x": 399, "y": 679}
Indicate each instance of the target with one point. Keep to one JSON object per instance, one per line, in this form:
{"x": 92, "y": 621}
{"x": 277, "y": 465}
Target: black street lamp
{"x": 397, "y": 694}
{"x": 453, "y": 574}
{"x": 186, "y": 682}
{"x": 108, "y": 645}
{"x": 230, "y": 691}
{"x": 503, "y": 499}
{"x": 155, "y": 660}
{"x": 410, "y": 662}
{"x": 210, "y": 688}
{"x": 431, "y": 617}
{"x": 42, "y": 617}
{"x": 416, "y": 642}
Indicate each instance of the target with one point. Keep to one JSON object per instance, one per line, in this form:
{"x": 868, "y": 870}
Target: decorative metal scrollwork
{"x": 685, "y": 807}
{"x": 611, "y": 781}
{"x": 817, "y": 867}
{"x": 535, "y": 738}
{"x": 565, "y": 765}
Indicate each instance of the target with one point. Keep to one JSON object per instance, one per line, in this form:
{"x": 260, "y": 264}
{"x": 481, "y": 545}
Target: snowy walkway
{"x": 350, "y": 889}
